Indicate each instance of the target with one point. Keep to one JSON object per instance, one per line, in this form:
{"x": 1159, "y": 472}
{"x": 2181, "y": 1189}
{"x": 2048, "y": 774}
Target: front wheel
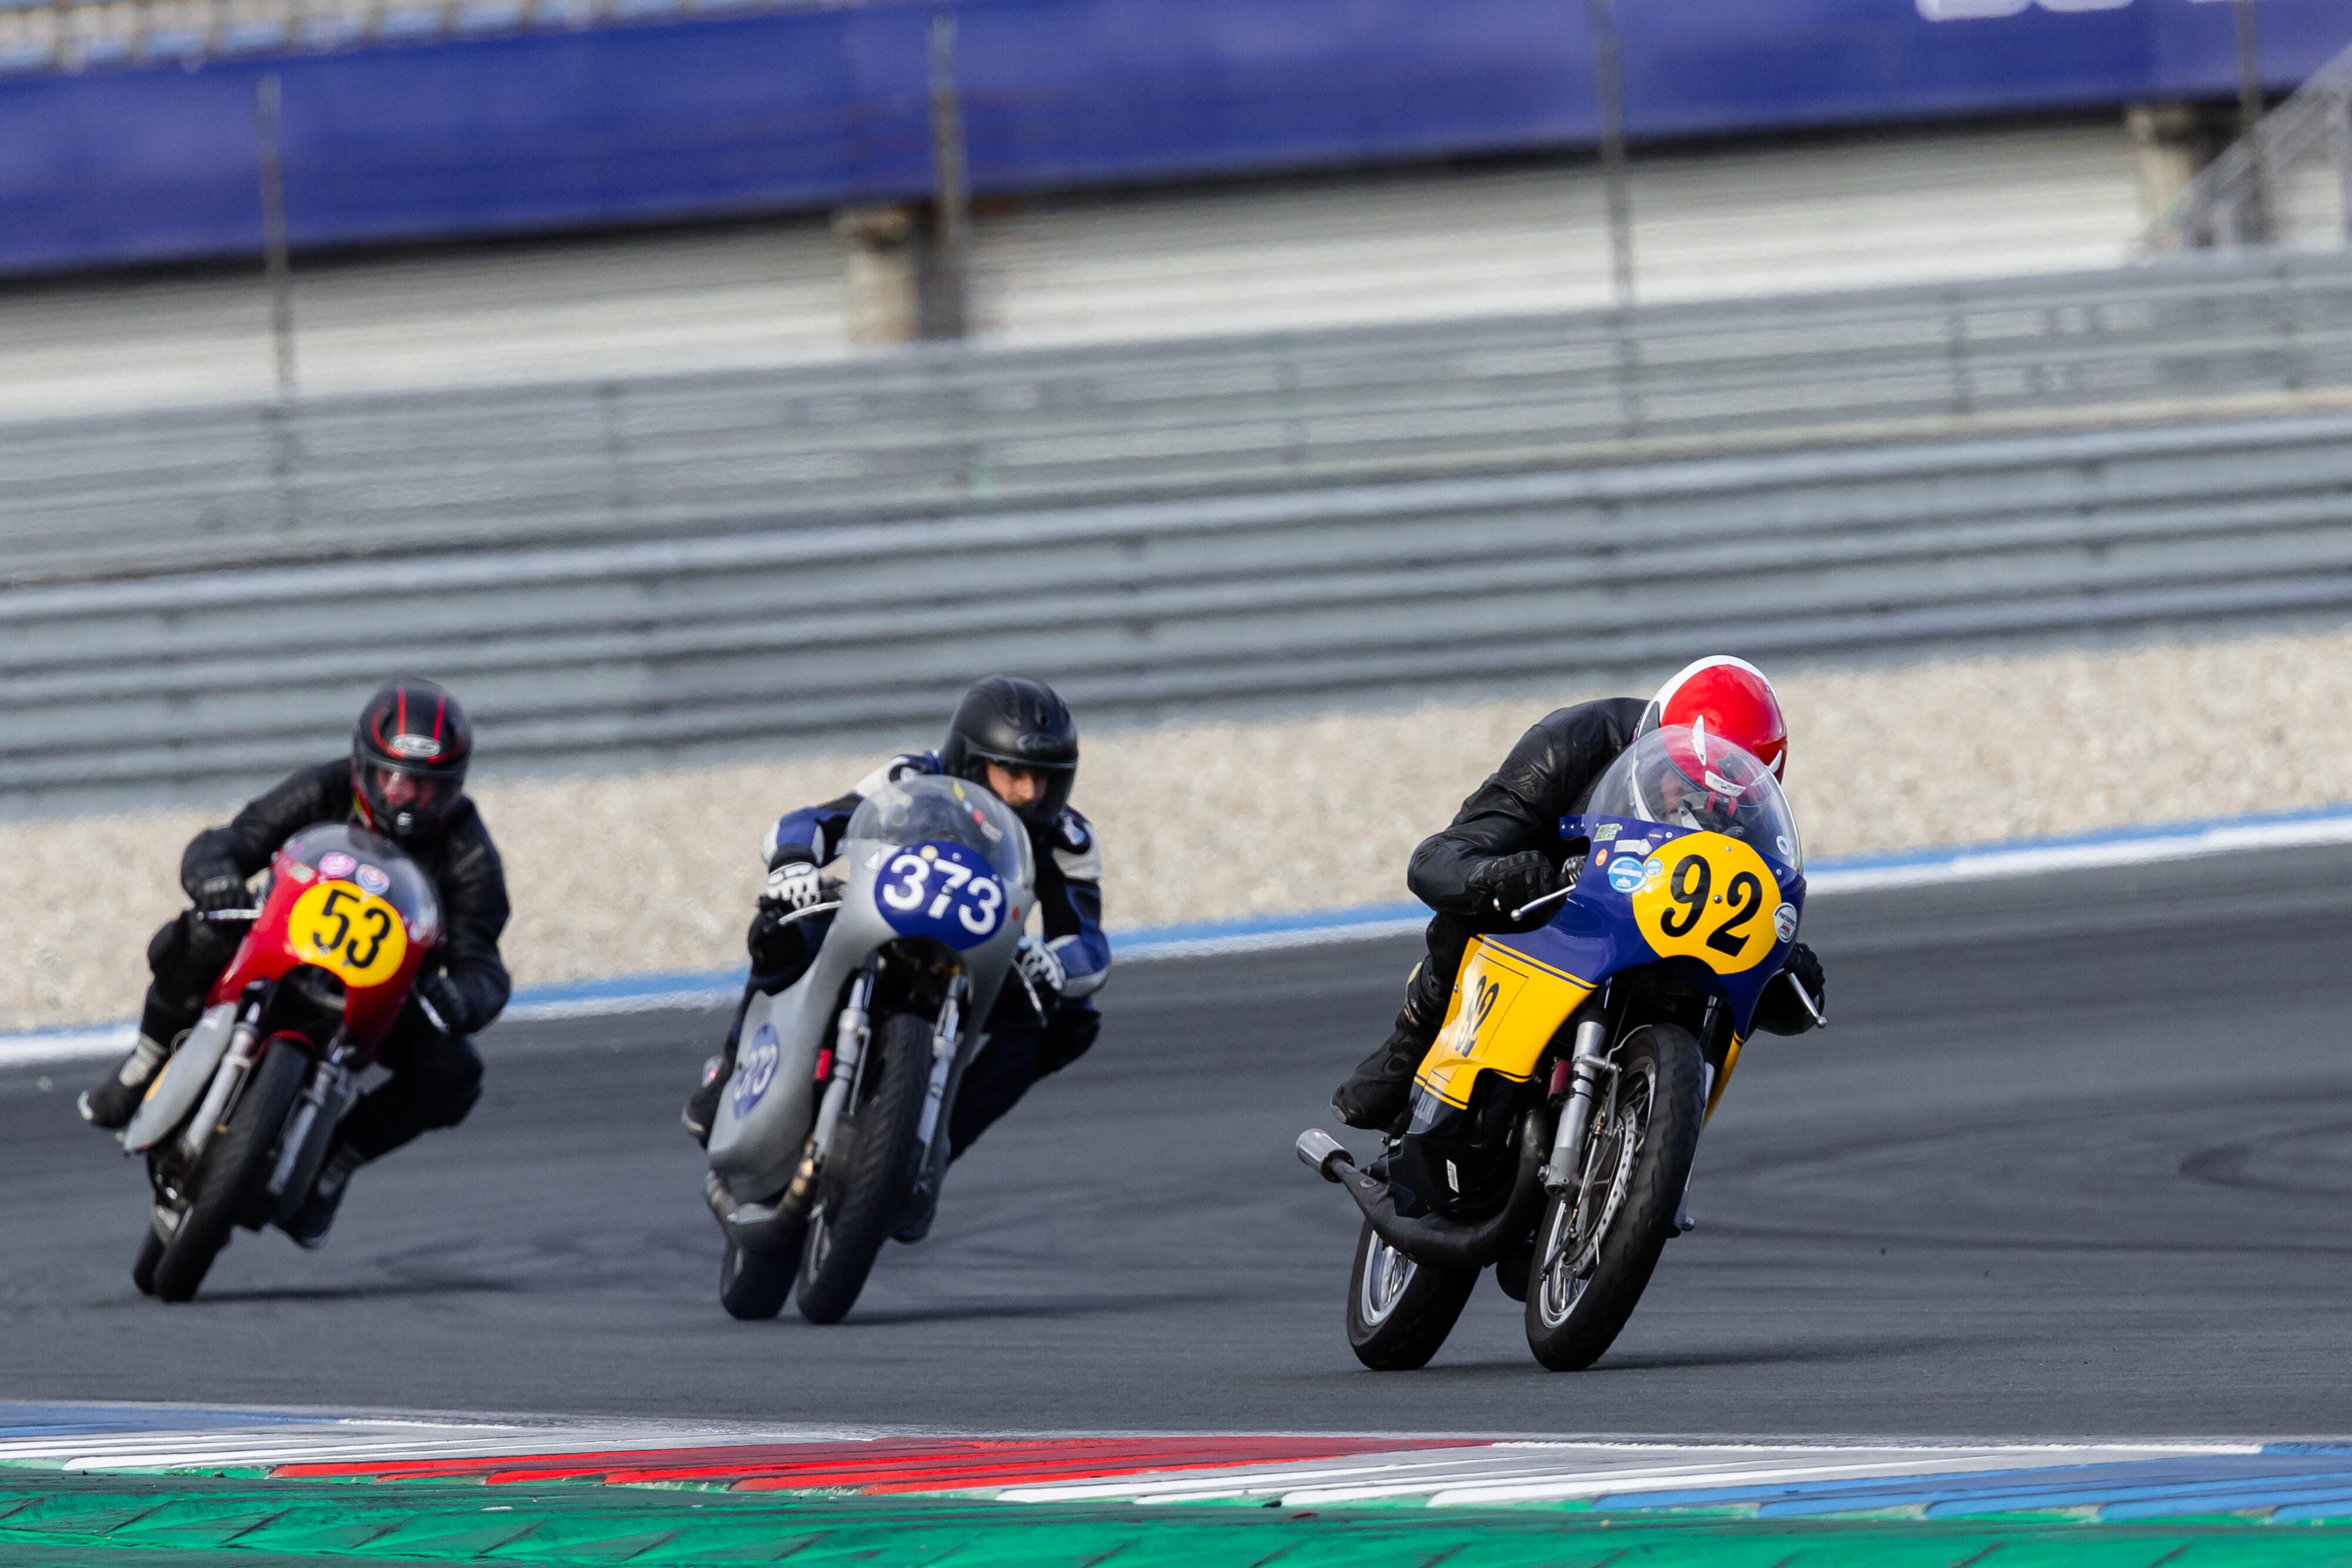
{"x": 869, "y": 1171}
{"x": 1600, "y": 1240}
{"x": 1400, "y": 1311}
{"x": 753, "y": 1285}
{"x": 228, "y": 1179}
{"x": 150, "y": 1252}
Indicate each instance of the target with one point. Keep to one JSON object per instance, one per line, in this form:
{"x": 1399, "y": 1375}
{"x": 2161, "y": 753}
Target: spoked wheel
{"x": 1400, "y": 1311}
{"x": 1599, "y": 1242}
{"x": 870, "y": 1171}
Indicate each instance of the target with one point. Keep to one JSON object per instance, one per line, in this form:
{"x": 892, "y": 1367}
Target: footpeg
{"x": 1684, "y": 1223}
{"x": 1319, "y": 1150}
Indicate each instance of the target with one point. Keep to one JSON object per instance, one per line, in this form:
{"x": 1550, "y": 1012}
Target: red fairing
{"x": 269, "y": 949}
{"x": 1728, "y": 697}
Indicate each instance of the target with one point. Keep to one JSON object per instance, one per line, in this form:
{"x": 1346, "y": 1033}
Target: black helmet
{"x": 408, "y": 759}
{"x": 1017, "y": 724}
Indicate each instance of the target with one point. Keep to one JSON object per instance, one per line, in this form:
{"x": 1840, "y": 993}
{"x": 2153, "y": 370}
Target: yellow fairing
{"x": 1504, "y": 1011}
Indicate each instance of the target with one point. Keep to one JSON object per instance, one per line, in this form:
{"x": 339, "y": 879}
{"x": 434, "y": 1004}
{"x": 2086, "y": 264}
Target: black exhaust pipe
{"x": 1432, "y": 1239}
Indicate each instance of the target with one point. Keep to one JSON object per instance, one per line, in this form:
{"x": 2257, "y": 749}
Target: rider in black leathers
{"x": 1503, "y": 850}
{"x": 1016, "y": 737}
{"x": 404, "y": 779}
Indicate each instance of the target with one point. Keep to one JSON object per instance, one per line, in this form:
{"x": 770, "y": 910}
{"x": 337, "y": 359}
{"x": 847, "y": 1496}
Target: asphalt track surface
{"x": 2073, "y": 1159}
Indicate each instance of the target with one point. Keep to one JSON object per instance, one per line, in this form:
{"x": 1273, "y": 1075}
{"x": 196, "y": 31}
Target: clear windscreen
{"x": 340, "y": 851}
{"x": 1683, "y": 777}
{"x": 933, "y": 809}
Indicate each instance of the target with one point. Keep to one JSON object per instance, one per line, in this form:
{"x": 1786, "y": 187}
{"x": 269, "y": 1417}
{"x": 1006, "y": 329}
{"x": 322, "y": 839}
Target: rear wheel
{"x": 753, "y": 1285}
{"x": 1400, "y": 1311}
{"x": 870, "y": 1171}
{"x": 228, "y": 1181}
{"x": 1600, "y": 1240}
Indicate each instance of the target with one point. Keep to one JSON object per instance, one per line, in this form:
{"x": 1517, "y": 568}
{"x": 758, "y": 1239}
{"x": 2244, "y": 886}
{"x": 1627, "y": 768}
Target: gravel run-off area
{"x": 655, "y": 872}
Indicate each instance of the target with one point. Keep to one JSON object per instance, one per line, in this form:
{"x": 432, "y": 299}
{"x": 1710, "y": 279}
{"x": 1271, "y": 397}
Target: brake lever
{"x": 1524, "y": 910}
{"x": 227, "y": 914}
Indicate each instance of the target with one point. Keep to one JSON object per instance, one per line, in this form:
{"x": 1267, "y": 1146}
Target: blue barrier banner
{"x": 814, "y": 108}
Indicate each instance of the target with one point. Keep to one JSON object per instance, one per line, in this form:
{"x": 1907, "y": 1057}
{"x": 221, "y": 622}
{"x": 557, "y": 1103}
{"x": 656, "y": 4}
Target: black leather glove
{"x": 1509, "y": 882}
{"x": 225, "y": 890}
{"x": 1778, "y": 1011}
{"x": 446, "y": 1003}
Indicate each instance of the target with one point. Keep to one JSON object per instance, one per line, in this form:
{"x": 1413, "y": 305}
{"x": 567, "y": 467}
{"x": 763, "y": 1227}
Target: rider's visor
{"x": 401, "y": 799}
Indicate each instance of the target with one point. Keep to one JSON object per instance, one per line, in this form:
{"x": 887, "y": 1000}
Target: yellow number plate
{"x": 350, "y": 931}
{"x": 1710, "y": 898}
{"x": 1505, "y": 1009}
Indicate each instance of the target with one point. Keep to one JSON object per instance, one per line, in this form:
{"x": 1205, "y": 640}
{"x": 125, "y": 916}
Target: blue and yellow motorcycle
{"x": 1555, "y": 1118}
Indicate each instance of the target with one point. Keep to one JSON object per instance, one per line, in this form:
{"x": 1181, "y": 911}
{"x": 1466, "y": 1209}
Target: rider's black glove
{"x": 226, "y": 890}
{"x": 446, "y": 1002}
{"x": 1778, "y": 1011}
{"x": 1506, "y": 883}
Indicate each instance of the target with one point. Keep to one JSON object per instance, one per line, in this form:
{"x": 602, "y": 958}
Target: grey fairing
{"x": 182, "y": 1086}
{"x": 754, "y": 1155}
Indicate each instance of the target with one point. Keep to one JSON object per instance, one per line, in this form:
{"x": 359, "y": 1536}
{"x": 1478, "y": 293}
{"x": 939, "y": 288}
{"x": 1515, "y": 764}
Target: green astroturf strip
{"x": 50, "y": 1517}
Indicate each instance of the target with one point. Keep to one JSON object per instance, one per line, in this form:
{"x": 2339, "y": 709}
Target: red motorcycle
{"x": 236, "y": 1125}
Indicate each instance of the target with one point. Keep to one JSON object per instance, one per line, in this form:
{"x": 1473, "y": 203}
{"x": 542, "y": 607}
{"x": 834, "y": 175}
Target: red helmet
{"x": 1725, "y": 696}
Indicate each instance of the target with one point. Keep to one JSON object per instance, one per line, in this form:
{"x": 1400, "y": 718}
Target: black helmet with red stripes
{"x": 408, "y": 759}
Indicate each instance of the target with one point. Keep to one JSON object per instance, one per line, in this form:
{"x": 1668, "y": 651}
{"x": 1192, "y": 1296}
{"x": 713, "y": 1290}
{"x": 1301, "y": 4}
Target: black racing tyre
{"x": 871, "y": 1169}
{"x": 1599, "y": 1242}
{"x": 754, "y": 1285}
{"x": 150, "y": 1252}
{"x": 235, "y": 1165}
{"x": 1400, "y": 1311}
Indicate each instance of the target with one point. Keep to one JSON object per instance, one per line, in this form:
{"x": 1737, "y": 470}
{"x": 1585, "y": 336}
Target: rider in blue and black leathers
{"x": 1017, "y": 738}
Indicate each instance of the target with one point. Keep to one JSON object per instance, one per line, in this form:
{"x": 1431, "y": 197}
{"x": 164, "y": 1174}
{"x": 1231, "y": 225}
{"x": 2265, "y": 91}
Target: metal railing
{"x": 720, "y": 643}
{"x": 2289, "y": 183}
{"x": 949, "y": 429}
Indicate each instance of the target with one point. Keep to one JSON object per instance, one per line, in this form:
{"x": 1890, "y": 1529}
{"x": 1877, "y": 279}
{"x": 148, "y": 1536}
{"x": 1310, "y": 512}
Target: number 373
{"x": 978, "y": 899}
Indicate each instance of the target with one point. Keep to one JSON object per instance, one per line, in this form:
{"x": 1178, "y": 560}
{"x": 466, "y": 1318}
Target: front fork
{"x": 1586, "y": 1069}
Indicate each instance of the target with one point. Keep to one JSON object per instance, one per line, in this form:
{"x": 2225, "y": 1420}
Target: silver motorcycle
{"x": 832, "y": 1130}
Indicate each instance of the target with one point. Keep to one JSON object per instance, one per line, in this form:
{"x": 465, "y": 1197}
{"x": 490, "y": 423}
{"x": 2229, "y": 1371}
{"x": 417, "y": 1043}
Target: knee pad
{"x": 168, "y": 945}
{"x": 1069, "y": 1035}
{"x": 457, "y": 1084}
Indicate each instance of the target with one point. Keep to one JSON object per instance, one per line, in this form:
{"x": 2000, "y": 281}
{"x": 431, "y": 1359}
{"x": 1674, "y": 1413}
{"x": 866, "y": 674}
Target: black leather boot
{"x": 1377, "y": 1095}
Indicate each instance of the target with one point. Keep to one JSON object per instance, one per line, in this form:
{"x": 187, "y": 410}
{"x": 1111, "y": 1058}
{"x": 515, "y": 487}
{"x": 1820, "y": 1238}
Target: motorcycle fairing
{"x": 771, "y": 1101}
{"x": 1507, "y": 1006}
{"x": 181, "y": 1084}
{"x": 1515, "y": 990}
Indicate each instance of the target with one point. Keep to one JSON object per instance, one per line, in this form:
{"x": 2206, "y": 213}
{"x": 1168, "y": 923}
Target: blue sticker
{"x": 943, "y": 890}
{"x": 757, "y": 1068}
{"x": 1625, "y": 874}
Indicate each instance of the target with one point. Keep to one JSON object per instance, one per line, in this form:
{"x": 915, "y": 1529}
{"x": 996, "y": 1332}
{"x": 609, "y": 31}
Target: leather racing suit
{"x": 1549, "y": 773}
{"x": 435, "y": 1077}
{"x": 1021, "y": 1047}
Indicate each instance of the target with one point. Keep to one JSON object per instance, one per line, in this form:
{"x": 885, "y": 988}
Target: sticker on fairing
{"x": 335, "y": 862}
{"x": 372, "y": 879}
{"x": 757, "y": 1069}
{"x": 1625, "y": 874}
{"x": 1784, "y": 920}
{"x": 1604, "y": 832}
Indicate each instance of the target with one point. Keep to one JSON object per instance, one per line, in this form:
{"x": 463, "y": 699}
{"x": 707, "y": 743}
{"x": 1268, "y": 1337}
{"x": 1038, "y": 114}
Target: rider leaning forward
{"x": 404, "y": 779}
{"x": 1017, "y": 738}
{"x": 1503, "y": 850}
